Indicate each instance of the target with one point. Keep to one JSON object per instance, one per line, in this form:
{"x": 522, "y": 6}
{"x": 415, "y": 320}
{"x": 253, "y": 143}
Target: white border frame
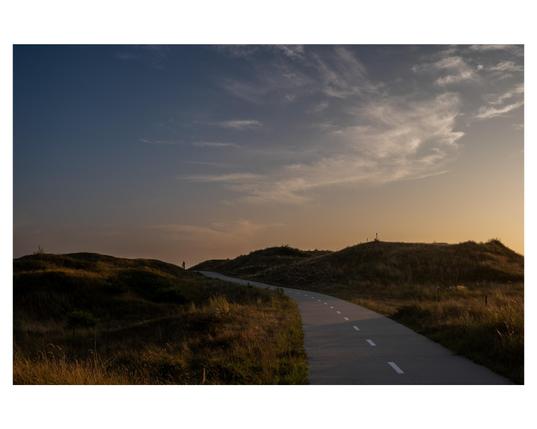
{"x": 408, "y": 22}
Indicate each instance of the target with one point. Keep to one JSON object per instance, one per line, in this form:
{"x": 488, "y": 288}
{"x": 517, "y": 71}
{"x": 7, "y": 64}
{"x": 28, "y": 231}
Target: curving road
{"x": 349, "y": 344}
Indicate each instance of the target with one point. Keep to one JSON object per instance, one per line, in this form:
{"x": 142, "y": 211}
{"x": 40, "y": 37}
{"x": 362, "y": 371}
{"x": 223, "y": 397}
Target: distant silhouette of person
{"x": 184, "y": 265}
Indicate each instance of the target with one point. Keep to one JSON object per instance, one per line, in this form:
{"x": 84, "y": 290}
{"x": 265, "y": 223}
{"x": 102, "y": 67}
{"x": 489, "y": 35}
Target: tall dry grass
{"x": 220, "y": 342}
{"x": 155, "y": 324}
{"x": 482, "y": 322}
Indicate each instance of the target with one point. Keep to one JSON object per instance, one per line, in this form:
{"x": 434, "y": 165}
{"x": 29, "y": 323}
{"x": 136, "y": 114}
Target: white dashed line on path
{"x": 396, "y": 368}
{"x": 371, "y": 343}
{"x": 356, "y": 328}
{"x": 338, "y": 312}
{"x": 346, "y": 318}
{"x": 332, "y": 307}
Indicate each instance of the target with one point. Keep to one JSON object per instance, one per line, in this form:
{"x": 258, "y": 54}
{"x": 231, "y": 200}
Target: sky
{"x": 187, "y": 153}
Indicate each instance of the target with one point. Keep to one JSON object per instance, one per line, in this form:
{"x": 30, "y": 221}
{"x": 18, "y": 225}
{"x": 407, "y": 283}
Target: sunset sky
{"x": 197, "y": 152}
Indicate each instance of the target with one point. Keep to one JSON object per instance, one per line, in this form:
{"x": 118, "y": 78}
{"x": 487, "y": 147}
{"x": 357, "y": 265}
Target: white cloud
{"x": 240, "y": 124}
{"x": 319, "y": 107}
{"x": 335, "y": 72}
{"x": 291, "y": 51}
{"x": 398, "y": 139}
{"x": 277, "y": 80}
{"x": 516, "y": 91}
{"x": 341, "y": 73}
{"x": 503, "y": 104}
{"x": 385, "y": 137}
{"x": 507, "y": 66}
{"x": 487, "y": 48}
{"x": 452, "y": 69}
{"x": 513, "y": 51}
{"x": 493, "y": 112}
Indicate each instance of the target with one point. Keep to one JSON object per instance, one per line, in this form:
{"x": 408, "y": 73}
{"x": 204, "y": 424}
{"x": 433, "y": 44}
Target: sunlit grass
{"x": 154, "y": 326}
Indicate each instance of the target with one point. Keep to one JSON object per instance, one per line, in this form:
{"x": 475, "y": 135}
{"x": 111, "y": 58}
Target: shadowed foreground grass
{"x": 155, "y": 325}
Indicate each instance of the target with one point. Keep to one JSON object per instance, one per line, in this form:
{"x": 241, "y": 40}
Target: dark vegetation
{"x": 467, "y": 296}
{"x": 380, "y": 262}
{"x": 259, "y": 261}
{"x": 93, "y": 319}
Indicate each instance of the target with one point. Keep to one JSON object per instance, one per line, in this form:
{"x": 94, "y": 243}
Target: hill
{"x": 381, "y": 263}
{"x": 259, "y": 261}
{"x": 89, "y": 318}
{"x": 467, "y": 296}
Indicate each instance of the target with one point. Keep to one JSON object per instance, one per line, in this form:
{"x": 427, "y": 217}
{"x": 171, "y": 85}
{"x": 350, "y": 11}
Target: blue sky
{"x": 193, "y": 152}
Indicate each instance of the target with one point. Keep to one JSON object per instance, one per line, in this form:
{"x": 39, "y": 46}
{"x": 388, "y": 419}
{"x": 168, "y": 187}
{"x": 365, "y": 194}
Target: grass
{"x": 259, "y": 260}
{"x": 484, "y": 322}
{"x": 404, "y": 263}
{"x": 467, "y": 296}
{"x": 93, "y": 319}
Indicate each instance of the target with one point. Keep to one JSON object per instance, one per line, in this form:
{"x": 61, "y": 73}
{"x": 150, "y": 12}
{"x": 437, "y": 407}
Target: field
{"x": 468, "y": 296}
{"x": 94, "y": 319}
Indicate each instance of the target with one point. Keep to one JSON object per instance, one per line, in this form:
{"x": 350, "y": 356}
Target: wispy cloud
{"x": 245, "y": 51}
{"x": 239, "y": 124}
{"x": 493, "y": 112}
{"x": 334, "y": 72}
{"x": 452, "y": 69}
{"x": 209, "y": 163}
{"x": 215, "y": 232}
{"x": 159, "y": 142}
{"x": 237, "y": 51}
{"x": 507, "y": 66}
{"x": 153, "y": 55}
{"x": 291, "y": 51}
{"x": 223, "y": 178}
{"x": 516, "y": 91}
{"x": 342, "y": 74}
{"x": 503, "y": 103}
{"x": 395, "y": 139}
{"x": 369, "y": 131}
{"x": 319, "y": 107}
{"x": 279, "y": 80}
{"x": 488, "y": 48}
{"x": 215, "y": 144}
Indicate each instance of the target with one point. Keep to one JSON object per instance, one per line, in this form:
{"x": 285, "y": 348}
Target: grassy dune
{"x": 94, "y": 319}
{"x": 259, "y": 261}
{"x": 468, "y": 296}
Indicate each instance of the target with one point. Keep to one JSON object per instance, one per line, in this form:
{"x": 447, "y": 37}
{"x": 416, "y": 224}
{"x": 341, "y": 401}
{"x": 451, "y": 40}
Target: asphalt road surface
{"x": 349, "y": 344}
